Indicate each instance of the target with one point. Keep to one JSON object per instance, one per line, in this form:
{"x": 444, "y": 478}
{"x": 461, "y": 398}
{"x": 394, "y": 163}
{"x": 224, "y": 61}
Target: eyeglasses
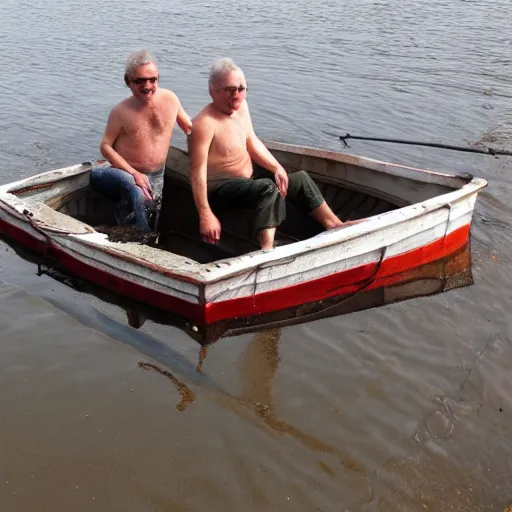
{"x": 232, "y": 89}
{"x": 140, "y": 81}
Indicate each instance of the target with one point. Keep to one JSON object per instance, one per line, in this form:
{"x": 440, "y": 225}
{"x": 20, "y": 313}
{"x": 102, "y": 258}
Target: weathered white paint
{"x": 44, "y": 178}
{"x": 19, "y": 221}
{"x": 131, "y": 270}
{"x": 60, "y": 188}
{"x": 313, "y": 266}
{"x": 305, "y": 266}
{"x": 383, "y": 226}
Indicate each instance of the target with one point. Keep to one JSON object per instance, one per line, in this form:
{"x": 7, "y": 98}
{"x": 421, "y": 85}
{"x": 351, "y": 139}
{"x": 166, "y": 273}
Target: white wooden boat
{"x": 418, "y": 221}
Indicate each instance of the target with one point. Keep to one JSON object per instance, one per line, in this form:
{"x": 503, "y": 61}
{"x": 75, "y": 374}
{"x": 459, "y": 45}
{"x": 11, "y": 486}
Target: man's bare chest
{"x": 149, "y": 123}
{"x": 230, "y": 137}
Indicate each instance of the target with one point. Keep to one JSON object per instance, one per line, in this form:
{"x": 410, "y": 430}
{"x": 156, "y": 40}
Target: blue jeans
{"x": 131, "y": 208}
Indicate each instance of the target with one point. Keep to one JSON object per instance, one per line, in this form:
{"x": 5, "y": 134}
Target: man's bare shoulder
{"x": 168, "y": 95}
{"x": 205, "y": 119}
{"x": 125, "y": 105}
{"x": 120, "y": 110}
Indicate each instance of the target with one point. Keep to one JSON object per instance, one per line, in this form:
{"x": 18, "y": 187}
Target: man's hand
{"x": 142, "y": 181}
{"x": 281, "y": 177}
{"x": 209, "y": 227}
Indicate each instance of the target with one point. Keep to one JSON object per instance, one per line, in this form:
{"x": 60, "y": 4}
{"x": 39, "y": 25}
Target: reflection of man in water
{"x": 258, "y": 368}
{"x": 223, "y": 147}
{"x": 136, "y": 142}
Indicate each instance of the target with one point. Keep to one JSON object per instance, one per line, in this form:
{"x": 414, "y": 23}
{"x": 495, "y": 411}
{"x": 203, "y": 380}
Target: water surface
{"x": 401, "y": 408}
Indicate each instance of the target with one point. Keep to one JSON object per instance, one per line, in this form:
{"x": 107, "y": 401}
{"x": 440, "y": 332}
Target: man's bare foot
{"x": 352, "y": 222}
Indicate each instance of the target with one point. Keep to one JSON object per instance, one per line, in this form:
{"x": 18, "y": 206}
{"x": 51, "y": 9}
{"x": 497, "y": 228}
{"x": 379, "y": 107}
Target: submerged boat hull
{"x": 369, "y": 264}
{"x": 141, "y": 304}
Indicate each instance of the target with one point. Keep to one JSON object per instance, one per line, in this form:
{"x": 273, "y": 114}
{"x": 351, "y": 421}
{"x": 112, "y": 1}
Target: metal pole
{"x": 486, "y": 150}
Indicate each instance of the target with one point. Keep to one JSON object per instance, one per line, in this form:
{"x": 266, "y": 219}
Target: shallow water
{"x": 401, "y": 408}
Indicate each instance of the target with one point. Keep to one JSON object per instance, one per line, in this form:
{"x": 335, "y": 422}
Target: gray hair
{"x": 221, "y": 67}
{"x": 136, "y": 60}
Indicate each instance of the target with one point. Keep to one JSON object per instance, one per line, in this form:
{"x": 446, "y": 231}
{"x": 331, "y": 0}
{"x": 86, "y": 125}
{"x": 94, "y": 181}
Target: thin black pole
{"x": 486, "y": 151}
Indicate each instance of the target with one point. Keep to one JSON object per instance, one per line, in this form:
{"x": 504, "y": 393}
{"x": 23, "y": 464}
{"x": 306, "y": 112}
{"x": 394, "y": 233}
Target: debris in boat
{"x": 154, "y": 211}
{"x": 124, "y": 234}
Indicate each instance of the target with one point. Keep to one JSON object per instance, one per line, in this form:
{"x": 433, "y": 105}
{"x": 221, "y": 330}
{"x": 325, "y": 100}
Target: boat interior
{"x": 352, "y": 189}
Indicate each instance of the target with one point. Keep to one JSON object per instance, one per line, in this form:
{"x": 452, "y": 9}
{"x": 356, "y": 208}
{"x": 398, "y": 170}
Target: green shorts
{"x": 260, "y": 194}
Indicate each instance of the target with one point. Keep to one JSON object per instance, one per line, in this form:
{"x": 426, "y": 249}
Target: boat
{"x": 416, "y": 229}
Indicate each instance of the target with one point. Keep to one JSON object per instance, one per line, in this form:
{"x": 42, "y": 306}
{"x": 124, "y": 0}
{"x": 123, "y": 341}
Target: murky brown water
{"x": 402, "y": 408}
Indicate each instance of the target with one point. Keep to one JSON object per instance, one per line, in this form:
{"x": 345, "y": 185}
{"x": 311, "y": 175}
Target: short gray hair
{"x": 221, "y": 67}
{"x": 136, "y": 60}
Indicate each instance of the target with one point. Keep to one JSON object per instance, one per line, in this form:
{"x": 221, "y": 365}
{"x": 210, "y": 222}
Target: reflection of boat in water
{"x": 432, "y": 278}
{"x": 415, "y": 242}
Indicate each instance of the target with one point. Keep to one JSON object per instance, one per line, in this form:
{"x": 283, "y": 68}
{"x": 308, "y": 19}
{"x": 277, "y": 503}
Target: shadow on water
{"x": 258, "y": 368}
{"x": 142, "y": 342}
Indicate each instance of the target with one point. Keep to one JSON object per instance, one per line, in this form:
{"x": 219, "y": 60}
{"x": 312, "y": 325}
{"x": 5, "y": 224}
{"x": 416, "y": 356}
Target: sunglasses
{"x": 233, "y": 89}
{"x": 140, "y": 81}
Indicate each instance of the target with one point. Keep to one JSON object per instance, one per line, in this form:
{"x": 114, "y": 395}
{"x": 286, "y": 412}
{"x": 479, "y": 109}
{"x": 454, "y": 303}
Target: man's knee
{"x": 266, "y": 187}
{"x": 300, "y": 177}
{"x": 127, "y": 180}
{"x": 129, "y": 187}
{"x": 96, "y": 175}
{"x": 303, "y": 192}
{"x": 101, "y": 181}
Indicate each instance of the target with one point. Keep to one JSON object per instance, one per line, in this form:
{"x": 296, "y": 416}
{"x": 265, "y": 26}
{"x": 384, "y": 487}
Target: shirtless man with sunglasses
{"x": 223, "y": 148}
{"x": 136, "y": 142}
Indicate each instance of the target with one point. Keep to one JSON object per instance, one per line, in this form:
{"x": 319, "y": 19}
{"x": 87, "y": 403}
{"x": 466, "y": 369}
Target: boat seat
{"x": 48, "y": 217}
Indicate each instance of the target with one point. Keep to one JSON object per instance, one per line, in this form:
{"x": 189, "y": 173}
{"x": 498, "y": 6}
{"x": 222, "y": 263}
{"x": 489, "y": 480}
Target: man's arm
{"x": 112, "y": 131}
{"x": 183, "y": 119}
{"x": 199, "y": 142}
{"x": 262, "y": 156}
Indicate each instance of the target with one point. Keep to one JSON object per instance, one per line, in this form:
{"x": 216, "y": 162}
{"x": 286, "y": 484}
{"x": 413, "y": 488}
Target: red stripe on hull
{"x": 342, "y": 283}
{"x": 22, "y": 237}
{"x": 346, "y": 282}
{"x": 127, "y": 288}
{"x": 121, "y": 286}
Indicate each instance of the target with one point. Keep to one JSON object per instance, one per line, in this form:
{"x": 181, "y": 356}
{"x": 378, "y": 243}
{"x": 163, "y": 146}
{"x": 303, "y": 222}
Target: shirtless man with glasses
{"x": 136, "y": 143}
{"x": 223, "y": 148}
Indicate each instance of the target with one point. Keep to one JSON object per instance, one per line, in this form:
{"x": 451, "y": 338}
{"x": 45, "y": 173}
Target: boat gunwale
{"x": 432, "y": 177}
{"x": 53, "y": 176}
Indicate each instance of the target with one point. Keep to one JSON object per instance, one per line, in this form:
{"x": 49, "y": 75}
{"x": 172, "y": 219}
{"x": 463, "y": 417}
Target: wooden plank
{"x": 356, "y": 199}
{"x": 364, "y": 208}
